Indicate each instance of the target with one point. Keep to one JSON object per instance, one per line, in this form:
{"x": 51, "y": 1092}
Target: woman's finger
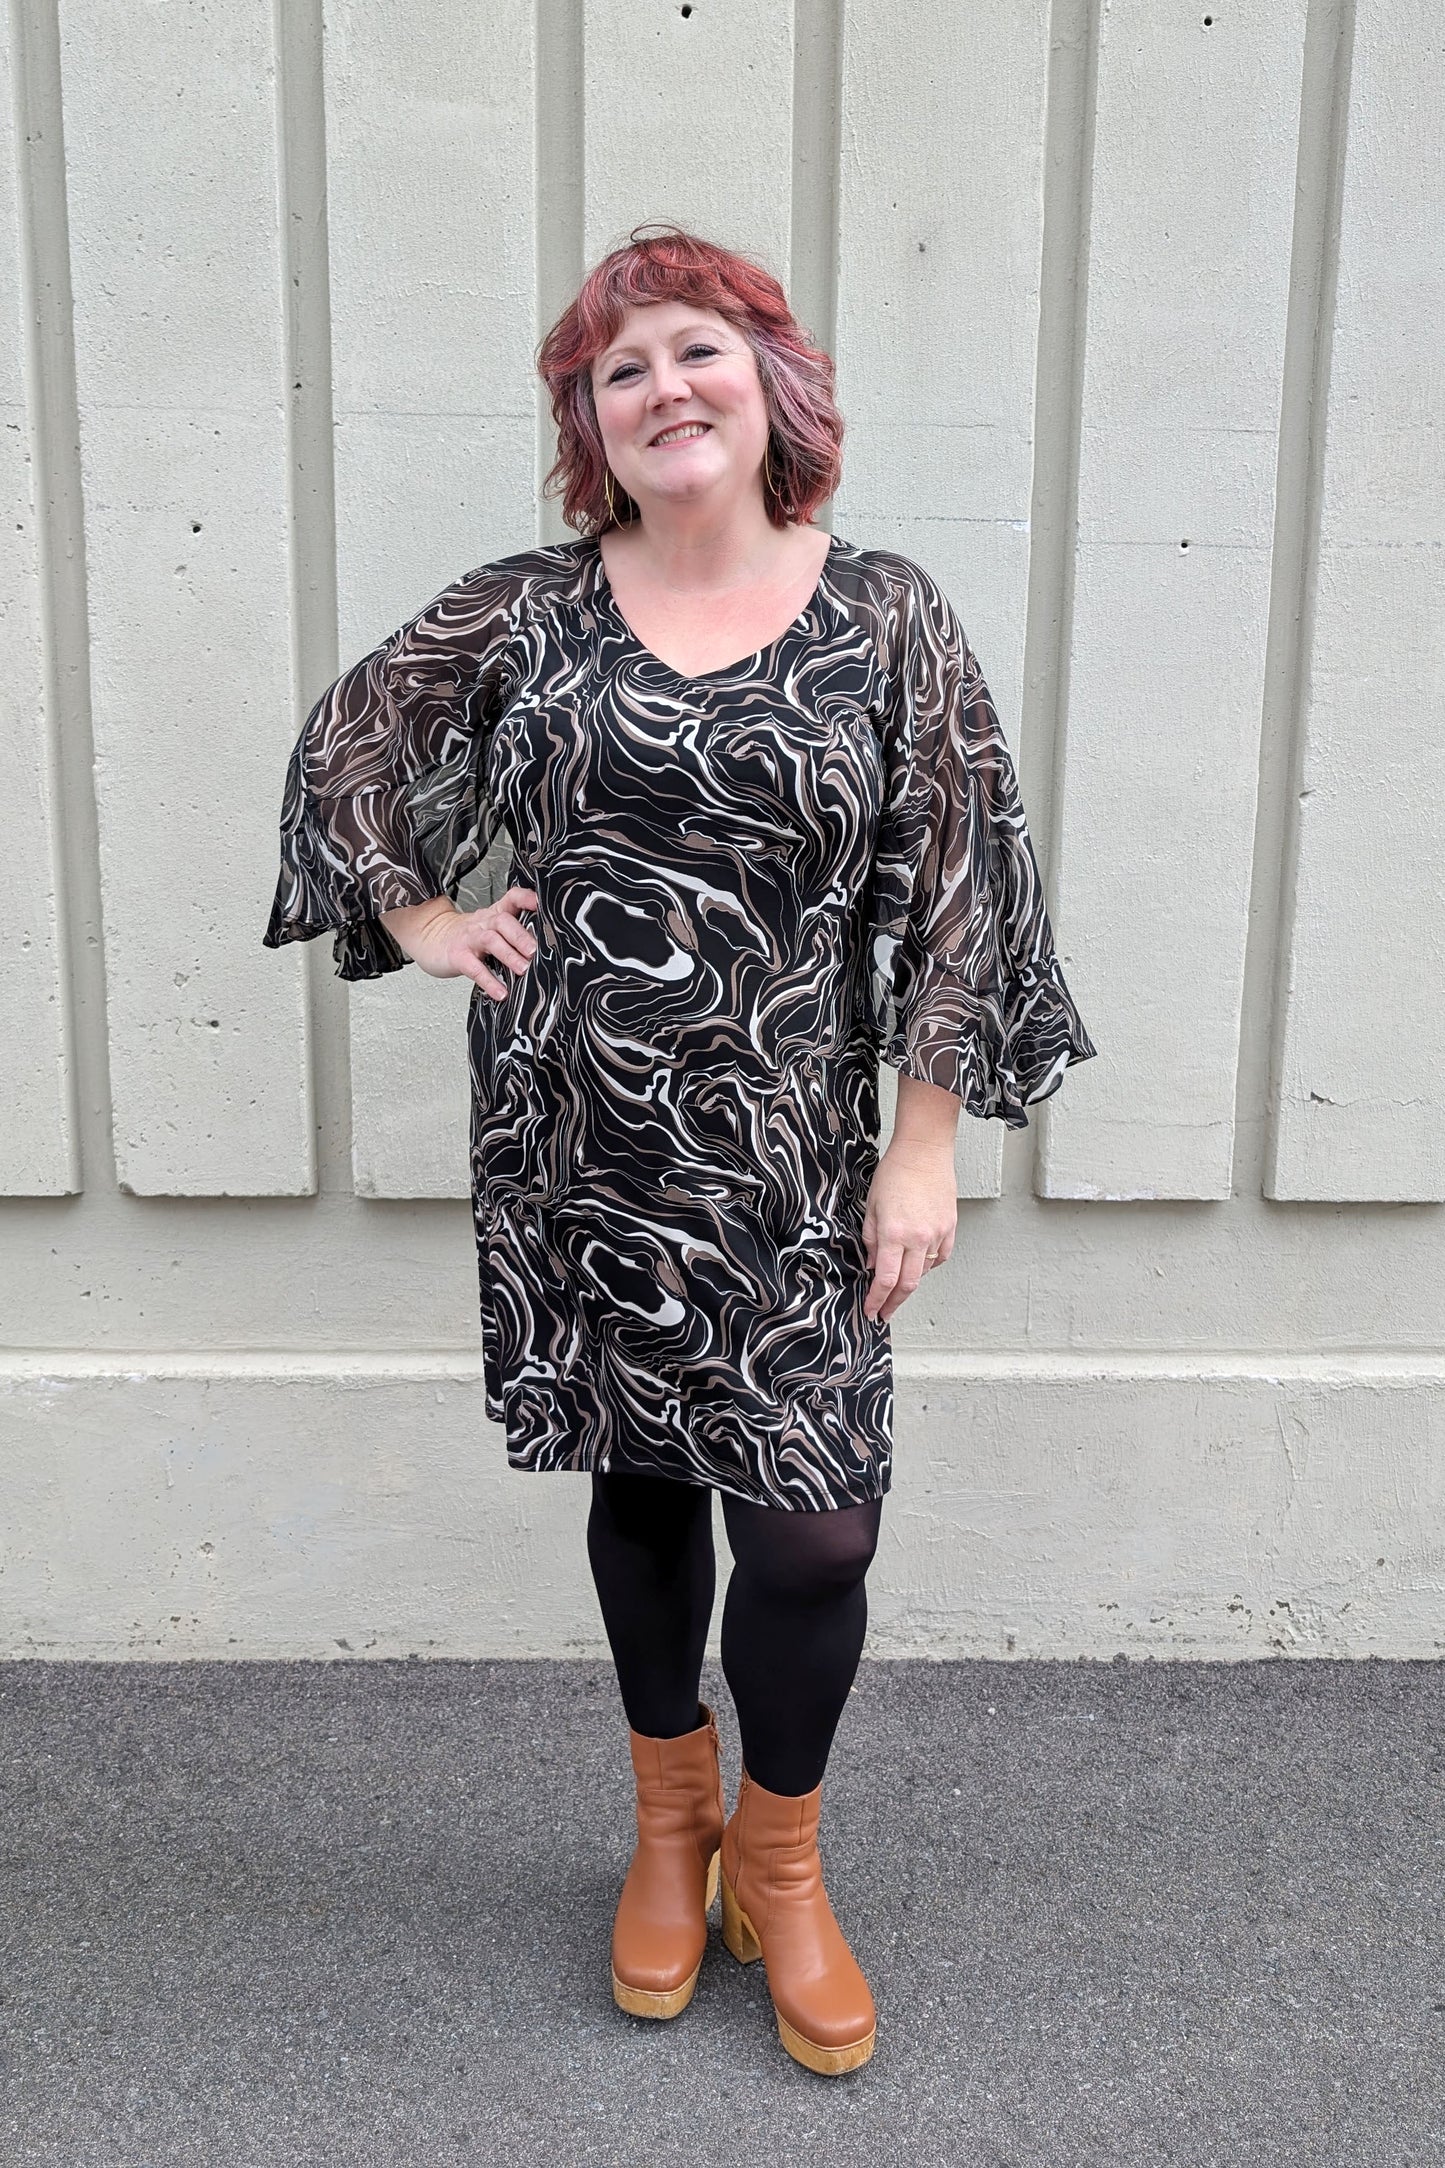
{"x": 897, "y": 1274}
{"x": 504, "y": 915}
{"x": 472, "y": 967}
{"x": 497, "y": 933}
{"x": 496, "y": 941}
{"x": 910, "y": 1273}
{"x": 885, "y": 1274}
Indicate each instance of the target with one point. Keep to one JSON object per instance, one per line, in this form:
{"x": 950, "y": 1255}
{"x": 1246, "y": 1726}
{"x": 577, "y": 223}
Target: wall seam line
{"x": 1294, "y": 565}
{"x": 52, "y": 405}
{"x": 297, "y": 37}
{"x": 1072, "y": 95}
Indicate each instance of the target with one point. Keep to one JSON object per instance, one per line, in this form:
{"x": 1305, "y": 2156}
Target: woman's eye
{"x": 620, "y": 376}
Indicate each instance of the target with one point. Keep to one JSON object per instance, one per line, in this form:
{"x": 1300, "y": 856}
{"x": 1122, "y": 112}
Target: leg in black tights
{"x": 649, "y": 1542}
{"x": 793, "y": 1622}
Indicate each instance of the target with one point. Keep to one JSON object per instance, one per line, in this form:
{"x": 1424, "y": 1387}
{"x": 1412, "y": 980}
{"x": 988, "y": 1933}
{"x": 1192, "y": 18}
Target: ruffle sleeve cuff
{"x": 333, "y": 880}
{"x": 1000, "y": 1053}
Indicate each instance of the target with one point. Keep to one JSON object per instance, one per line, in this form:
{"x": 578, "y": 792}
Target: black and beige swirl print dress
{"x": 752, "y": 885}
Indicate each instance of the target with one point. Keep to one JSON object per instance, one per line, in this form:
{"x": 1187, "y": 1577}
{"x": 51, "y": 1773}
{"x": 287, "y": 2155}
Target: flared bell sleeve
{"x": 965, "y": 988}
{"x": 385, "y": 802}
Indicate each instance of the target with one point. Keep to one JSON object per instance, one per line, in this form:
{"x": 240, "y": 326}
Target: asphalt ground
{"x": 358, "y": 1913}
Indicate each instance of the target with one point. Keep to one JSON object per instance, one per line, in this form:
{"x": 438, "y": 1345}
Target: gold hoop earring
{"x": 769, "y": 478}
{"x": 611, "y": 502}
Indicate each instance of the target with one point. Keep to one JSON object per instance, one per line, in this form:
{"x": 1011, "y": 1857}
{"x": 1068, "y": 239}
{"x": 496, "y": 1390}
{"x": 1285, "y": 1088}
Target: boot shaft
{"x": 679, "y": 1786}
{"x": 773, "y": 1836}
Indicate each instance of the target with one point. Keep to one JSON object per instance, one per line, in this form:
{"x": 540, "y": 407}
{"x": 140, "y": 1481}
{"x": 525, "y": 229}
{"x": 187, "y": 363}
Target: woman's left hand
{"x": 910, "y": 1221}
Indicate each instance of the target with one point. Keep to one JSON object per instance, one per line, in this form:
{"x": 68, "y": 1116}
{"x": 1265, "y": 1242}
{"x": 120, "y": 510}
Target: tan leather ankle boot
{"x": 660, "y": 1931}
{"x": 775, "y": 1907}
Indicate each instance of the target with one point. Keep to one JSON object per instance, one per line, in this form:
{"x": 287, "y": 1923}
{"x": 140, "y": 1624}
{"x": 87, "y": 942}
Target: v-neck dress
{"x": 753, "y": 885}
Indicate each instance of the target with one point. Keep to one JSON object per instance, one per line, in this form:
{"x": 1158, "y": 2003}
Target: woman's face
{"x": 672, "y": 365}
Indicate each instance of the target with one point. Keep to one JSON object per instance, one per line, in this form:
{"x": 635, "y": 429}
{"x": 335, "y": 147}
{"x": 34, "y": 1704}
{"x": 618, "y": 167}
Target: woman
{"x": 765, "y": 829}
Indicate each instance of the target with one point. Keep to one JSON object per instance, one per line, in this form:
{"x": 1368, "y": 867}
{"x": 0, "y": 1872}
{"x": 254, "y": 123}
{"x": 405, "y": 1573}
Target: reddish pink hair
{"x": 804, "y": 445}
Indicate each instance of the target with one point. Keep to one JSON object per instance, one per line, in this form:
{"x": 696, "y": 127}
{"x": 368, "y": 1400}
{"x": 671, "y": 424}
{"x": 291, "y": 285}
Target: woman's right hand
{"x": 452, "y": 944}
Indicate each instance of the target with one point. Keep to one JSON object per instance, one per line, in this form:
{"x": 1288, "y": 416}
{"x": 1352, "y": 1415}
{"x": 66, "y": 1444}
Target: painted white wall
{"x": 1047, "y": 1506}
{"x": 1102, "y": 281}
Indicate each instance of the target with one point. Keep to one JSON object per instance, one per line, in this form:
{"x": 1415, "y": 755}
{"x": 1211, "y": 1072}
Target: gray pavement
{"x": 357, "y": 1913}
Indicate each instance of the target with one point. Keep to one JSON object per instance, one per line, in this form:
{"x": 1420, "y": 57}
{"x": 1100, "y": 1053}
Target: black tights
{"x": 793, "y": 1619}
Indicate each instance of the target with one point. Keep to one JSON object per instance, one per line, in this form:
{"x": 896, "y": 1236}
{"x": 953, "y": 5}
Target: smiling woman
{"x": 765, "y": 832}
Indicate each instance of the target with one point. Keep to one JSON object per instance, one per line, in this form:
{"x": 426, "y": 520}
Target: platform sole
{"x": 664, "y": 2001}
{"x": 829, "y": 2062}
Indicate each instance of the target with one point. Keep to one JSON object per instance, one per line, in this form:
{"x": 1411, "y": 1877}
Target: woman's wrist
{"x": 925, "y": 1122}
{"x": 410, "y": 923}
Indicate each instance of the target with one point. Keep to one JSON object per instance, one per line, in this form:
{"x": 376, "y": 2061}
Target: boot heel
{"x": 737, "y": 1928}
{"x": 712, "y": 1877}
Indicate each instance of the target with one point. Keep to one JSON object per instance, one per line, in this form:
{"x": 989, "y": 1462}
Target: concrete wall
{"x": 1136, "y": 309}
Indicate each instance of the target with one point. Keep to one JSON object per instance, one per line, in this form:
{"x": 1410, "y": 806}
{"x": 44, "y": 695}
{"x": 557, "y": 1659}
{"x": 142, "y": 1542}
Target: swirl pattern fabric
{"x": 752, "y": 885}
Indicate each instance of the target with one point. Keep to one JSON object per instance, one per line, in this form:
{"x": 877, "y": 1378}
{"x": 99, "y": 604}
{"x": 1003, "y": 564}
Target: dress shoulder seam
{"x": 874, "y": 589}
{"x": 543, "y": 579}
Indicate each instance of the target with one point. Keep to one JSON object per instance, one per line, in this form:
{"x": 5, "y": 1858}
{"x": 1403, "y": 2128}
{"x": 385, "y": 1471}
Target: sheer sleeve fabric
{"x": 967, "y": 991}
{"x": 384, "y": 801}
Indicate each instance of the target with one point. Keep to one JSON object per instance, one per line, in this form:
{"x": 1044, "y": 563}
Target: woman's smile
{"x": 680, "y": 433}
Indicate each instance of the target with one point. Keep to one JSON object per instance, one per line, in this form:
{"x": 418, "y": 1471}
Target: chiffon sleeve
{"x": 384, "y": 802}
{"x": 967, "y": 986}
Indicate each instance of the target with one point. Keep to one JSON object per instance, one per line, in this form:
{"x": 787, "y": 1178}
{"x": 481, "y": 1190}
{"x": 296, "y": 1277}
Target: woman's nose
{"x": 669, "y": 381}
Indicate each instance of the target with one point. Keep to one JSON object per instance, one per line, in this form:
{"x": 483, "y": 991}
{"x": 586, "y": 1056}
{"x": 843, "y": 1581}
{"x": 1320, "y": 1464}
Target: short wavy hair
{"x": 668, "y": 263}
